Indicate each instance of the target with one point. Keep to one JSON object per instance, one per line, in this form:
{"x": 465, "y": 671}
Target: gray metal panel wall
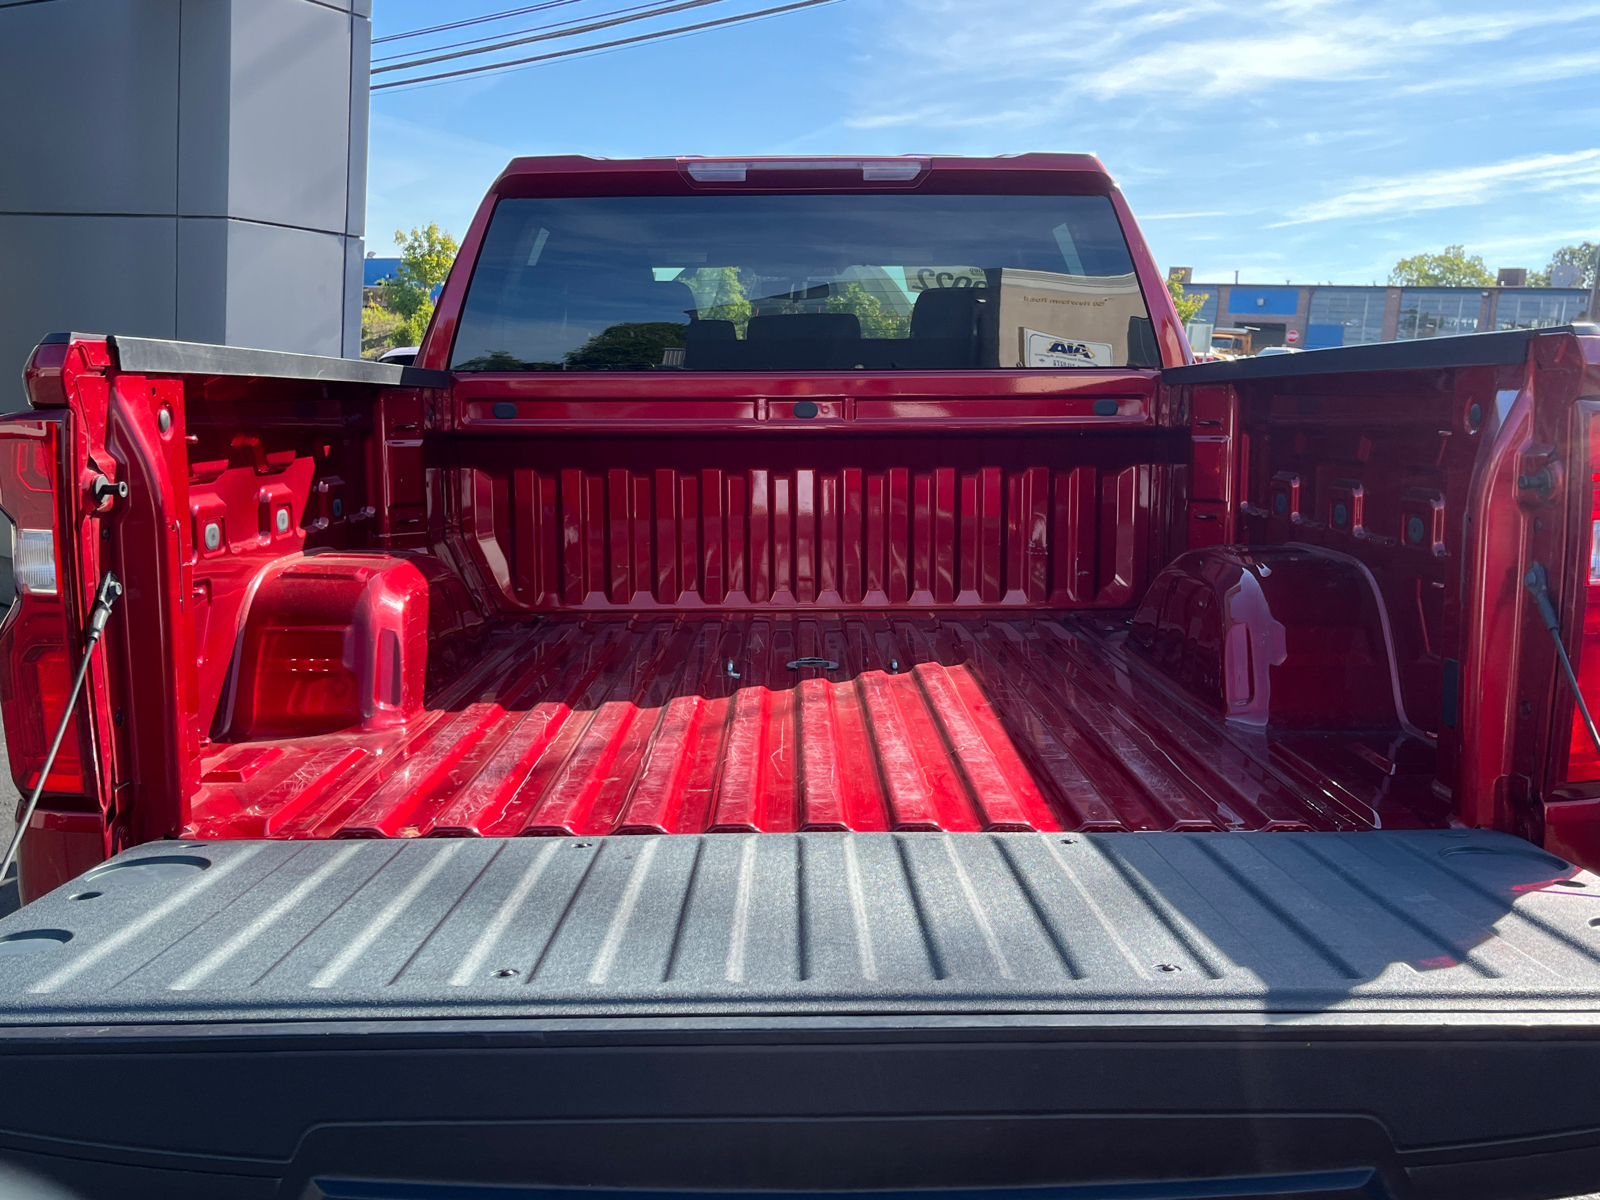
{"x": 183, "y": 169}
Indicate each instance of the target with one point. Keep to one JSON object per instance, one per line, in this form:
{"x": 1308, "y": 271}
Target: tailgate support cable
{"x": 1537, "y": 583}
{"x": 105, "y": 597}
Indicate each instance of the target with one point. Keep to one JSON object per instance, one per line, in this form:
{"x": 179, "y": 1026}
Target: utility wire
{"x": 660, "y": 10}
{"x": 514, "y": 32}
{"x": 504, "y": 14}
{"x": 627, "y": 41}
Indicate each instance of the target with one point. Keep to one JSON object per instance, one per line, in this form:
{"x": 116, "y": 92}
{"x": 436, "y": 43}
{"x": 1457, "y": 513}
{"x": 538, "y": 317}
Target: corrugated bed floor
{"x": 680, "y": 724}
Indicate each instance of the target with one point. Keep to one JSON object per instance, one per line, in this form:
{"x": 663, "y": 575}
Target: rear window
{"x": 782, "y": 283}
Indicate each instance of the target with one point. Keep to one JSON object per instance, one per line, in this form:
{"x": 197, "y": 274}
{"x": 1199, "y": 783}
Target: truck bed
{"x": 588, "y": 726}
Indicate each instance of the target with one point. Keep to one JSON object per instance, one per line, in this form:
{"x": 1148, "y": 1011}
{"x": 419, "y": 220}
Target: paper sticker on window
{"x": 1053, "y": 350}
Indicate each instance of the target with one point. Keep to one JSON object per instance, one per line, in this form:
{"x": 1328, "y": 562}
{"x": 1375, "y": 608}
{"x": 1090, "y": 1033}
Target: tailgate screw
{"x": 1168, "y": 967}
{"x": 505, "y": 973}
{"x": 213, "y": 536}
{"x": 102, "y": 489}
{"x": 283, "y": 520}
{"x": 732, "y": 674}
{"x": 1069, "y": 841}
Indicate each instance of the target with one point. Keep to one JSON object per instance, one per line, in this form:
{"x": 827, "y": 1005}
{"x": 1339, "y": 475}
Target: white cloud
{"x": 1527, "y": 71}
{"x": 1452, "y": 187}
{"x": 1185, "y": 54}
{"x": 1319, "y": 41}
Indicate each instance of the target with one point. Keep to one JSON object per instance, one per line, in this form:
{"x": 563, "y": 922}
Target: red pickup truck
{"x": 805, "y": 686}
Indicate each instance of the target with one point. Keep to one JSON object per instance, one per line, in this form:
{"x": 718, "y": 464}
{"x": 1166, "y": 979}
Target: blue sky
{"x": 1304, "y": 140}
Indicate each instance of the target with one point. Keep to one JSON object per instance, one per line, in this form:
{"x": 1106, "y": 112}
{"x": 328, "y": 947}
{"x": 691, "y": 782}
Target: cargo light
{"x": 728, "y": 170}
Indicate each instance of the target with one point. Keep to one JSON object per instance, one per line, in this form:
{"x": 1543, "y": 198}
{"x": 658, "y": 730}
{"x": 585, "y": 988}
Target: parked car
{"x": 401, "y": 356}
{"x": 802, "y": 687}
{"x": 1269, "y": 351}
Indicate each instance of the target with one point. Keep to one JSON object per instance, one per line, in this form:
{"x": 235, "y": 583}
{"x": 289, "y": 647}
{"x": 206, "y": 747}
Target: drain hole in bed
{"x": 33, "y": 941}
{"x": 162, "y": 868}
{"x": 1538, "y": 856}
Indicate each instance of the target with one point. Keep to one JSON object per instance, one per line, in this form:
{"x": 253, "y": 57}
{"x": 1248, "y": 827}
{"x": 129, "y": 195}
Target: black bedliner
{"x": 1402, "y": 1014}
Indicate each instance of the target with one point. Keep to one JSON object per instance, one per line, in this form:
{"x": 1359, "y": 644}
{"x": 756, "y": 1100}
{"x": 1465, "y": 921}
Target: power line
{"x": 659, "y": 10}
{"x": 566, "y": 25}
{"x": 496, "y": 16}
{"x": 627, "y": 41}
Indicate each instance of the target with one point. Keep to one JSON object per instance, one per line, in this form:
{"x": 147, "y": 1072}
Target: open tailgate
{"x": 1372, "y": 1014}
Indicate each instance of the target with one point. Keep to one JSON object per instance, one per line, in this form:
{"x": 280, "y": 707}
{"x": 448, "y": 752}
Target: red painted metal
{"x": 327, "y": 643}
{"x": 1291, "y": 637}
{"x": 849, "y": 403}
{"x": 687, "y": 524}
{"x": 686, "y": 724}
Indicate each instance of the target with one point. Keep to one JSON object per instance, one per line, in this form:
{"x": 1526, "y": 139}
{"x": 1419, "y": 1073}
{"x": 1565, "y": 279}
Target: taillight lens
{"x": 35, "y": 666}
{"x": 33, "y": 561}
{"x": 1583, "y": 763}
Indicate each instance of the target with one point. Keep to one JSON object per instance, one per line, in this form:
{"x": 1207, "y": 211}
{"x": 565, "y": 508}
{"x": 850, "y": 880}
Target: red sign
{"x": 1293, "y": 336}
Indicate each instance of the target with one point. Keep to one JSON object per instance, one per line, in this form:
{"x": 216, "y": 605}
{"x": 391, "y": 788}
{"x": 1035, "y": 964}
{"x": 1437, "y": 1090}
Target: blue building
{"x": 1314, "y": 317}
{"x": 379, "y": 269}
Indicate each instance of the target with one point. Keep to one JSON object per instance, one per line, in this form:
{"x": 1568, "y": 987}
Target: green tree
{"x": 425, "y": 257}
{"x": 1580, "y": 255}
{"x": 877, "y": 320}
{"x": 378, "y": 329}
{"x": 719, "y": 295}
{"x": 631, "y": 346}
{"x": 1453, "y": 268}
{"x": 1188, "y": 306}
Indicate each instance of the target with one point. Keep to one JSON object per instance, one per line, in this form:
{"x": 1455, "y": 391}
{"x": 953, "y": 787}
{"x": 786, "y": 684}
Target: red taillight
{"x": 1583, "y": 763}
{"x": 35, "y": 666}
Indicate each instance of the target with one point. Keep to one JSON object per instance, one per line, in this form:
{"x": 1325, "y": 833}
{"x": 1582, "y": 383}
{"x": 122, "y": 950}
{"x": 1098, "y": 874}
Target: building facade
{"x": 1316, "y": 317}
{"x": 183, "y": 170}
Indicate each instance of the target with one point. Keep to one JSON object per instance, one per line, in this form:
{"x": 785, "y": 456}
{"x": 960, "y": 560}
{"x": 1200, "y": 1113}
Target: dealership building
{"x": 1315, "y": 317}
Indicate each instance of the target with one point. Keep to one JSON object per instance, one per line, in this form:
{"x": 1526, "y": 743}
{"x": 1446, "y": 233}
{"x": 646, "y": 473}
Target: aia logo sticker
{"x": 1054, "y": 350}
{"x": 1075, "y": 349}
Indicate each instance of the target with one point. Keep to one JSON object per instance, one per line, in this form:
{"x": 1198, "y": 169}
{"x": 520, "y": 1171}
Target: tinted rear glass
{"x": 768, "y": 283}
